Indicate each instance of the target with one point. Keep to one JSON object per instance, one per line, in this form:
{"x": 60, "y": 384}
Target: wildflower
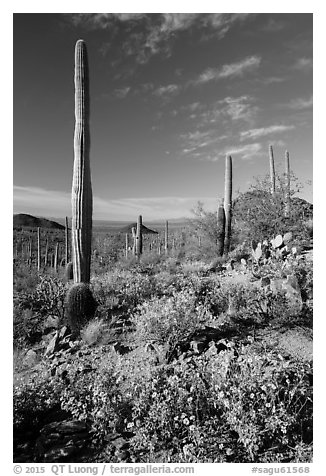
{"x": 186, "y": 421}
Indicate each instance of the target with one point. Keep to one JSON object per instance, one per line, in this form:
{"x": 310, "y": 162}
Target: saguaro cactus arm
{"x": 81, "y": 197}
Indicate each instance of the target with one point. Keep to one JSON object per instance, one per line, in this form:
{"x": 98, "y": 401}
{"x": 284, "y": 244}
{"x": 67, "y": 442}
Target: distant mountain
{"x": 297, "y": 203}
{"x": 24, "y": 220}
{"x": 144, "y": 229}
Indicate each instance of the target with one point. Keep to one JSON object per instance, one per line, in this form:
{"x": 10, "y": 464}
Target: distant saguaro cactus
{"x": 287, "y": 185}
{"x": 134, "y": 234}
{"x": 56, "y": 257}
{"x": 139, "y": 237}
{"x": 46, "y": 252}
{"x": 81, "y": 196}
{"x": 38, "y": 249}
{"x": 166, "y": 237}
{"x": 228, "y": 202}
{"x": 220, "y": 228}
{"x": 272, "y": 169}
{"x": 126, "y": 246}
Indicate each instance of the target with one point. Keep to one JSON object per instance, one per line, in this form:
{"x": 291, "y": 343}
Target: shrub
{"x": 169, "y": 319}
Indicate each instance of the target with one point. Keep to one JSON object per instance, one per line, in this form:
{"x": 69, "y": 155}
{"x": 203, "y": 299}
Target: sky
{"x": 170, "y": 96}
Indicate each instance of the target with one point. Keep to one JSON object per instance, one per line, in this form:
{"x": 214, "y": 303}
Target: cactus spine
{"x": 287, "y": 184}
{"x": 228, "y": 202}
{"x": 139, "y": 237}
{"x": 220, "y": 228}
{"x": 81, "y": 197}
{"x": 272, "y": 169}
{"x": 166, "y": 238}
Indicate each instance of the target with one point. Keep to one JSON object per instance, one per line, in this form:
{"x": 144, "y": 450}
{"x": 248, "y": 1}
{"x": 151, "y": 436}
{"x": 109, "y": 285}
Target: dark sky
{"x": 171, "y": 95}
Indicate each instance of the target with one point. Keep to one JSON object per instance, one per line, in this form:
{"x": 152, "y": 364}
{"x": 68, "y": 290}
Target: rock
{"x": 265, "y": 281}
{"x": 51, "y": 323}
{"x": 30, "y": 358}
{"x": 63, "y": 441}
{"x": 61, "y": 341}
{"x": 293, "y": 293}
{"x": 276, "y": 285}
{"x": 53, "y": 345}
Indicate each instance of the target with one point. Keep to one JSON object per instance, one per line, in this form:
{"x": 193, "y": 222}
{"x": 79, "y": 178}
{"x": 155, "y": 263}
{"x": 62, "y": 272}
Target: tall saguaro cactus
{"x": 81, "y": 196}
{"x": 228, "y": 202}
{"x": 80, "y": 304}
{"x": 272, "y": 169}
{"x": 139, "y": 237}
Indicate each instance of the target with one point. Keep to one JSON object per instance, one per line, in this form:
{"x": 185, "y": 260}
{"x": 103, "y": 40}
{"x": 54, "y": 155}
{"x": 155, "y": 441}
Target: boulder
{"x": 64, "y": 441}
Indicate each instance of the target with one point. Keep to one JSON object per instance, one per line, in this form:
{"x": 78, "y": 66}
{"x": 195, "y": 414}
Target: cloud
{"x": 237, "y": 69}
{"x": 38, "y": 201}
{"x": 152, "y": 34}
{"x": 301, "y": 103}
{"x": 54, "y": 203}
{"x": 238, "y": 108}
{"x": 245, "y": 151}
{"x": 264, "y": 131}
{"x": 169, "y": 90}
{"x": 121, "y": 92}
{"x": 303, "y": 64}
{"x": 274, "y": 25}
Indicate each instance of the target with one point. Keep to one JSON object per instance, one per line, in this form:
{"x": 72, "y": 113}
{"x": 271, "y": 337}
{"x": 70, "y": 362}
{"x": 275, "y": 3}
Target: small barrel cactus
{"x": 80, "y": 306}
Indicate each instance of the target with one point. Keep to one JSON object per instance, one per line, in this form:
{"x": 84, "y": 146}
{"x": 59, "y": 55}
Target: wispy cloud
{"x": 273, "y": 25}
{"x": 303, "y": 64}
{"x": 121, "y": 93}
{"x": 238, "y": 108}
{"x": 301, "y": 103}
{"x": 244, "y": 151}
{"x": 159, "y": 31}
{"x": 54, "y": 203}
{"x": 169, "y": 90}
{"x": 237, "y": 69}
{"x": 265, "y": 131}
